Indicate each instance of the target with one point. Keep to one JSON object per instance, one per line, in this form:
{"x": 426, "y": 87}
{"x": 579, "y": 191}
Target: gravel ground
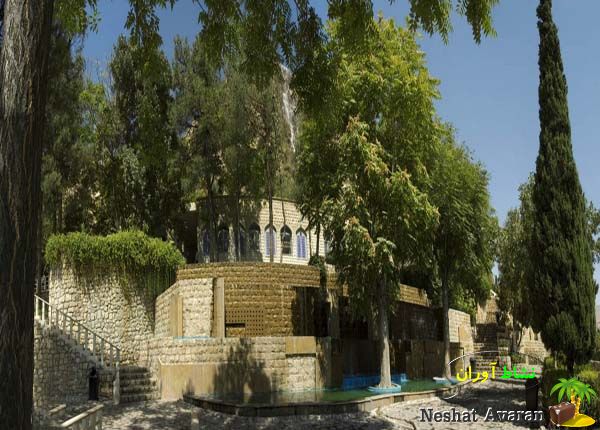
{"x": 406, "y": 415}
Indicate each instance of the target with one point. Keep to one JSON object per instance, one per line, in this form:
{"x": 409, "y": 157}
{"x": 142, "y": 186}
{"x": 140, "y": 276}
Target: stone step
{"x": 130, "y": 398}
{"x": 137, "y": 381}
{"x": 137, "y": 389}
{"x": 133, "y": 369}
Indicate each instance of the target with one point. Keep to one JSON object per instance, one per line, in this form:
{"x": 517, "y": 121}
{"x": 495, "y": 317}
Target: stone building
{"x": 241, "y": 327}
{"x": 290, "y": 238}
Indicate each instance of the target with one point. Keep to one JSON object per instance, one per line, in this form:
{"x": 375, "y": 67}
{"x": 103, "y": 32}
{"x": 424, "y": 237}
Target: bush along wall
{"x": 146, "y": 264}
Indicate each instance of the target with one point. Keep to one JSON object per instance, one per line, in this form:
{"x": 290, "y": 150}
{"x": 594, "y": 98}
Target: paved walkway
{"x": 407, "y": 415}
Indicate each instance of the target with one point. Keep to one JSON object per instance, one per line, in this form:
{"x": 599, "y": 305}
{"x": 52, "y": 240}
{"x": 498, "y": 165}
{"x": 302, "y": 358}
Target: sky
{"x": 489, "y": 91}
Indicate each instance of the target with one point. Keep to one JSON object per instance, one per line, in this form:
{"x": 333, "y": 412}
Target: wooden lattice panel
{"x": 244, "y": 320}
{"x": 266, "y": 310}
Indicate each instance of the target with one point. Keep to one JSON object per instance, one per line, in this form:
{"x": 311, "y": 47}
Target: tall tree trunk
{"x": 384, "y": 334}
{"x": 236, "y": 227}
{"x": 446, "y": 323}
{"x": 318, "y": 237}
{"x": 60, "y": 223}
{"x": 39, "y": 264}
{"x": 271, "y": 235}
{"x": 23, "y": 70}
{"x": 212, "y": 231}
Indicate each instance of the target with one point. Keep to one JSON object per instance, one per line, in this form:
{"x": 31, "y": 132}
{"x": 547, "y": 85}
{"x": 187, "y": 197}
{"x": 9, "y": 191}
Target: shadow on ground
{"x": 147, "y": 415}
{"x": 497, "y": 397}
{"x": 177, "y": 416}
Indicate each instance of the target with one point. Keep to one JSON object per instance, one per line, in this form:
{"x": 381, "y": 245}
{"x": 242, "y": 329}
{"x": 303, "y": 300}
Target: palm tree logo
{"x": 577, "y": 392}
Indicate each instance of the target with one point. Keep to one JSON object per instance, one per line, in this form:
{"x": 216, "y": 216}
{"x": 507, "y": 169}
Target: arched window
{"x": 223, "y": 240}
{"x": 286, "y": 240}
{"x": 270, "y": 241}
{"x": 206, "y": 243}
{"x": 254, "y": 238}
{"x": 301, "y": 244}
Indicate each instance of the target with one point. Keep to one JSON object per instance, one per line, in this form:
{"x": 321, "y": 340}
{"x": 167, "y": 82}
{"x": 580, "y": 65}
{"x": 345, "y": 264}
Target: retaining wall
{"x": 109, "y": 306}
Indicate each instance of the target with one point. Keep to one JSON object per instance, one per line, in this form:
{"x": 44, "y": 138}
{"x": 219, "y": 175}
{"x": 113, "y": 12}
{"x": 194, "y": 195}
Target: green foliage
{"x": 235, "y": 138}
{"x": 549, "y": 377}
{"x": 140, "y": 154}
{"x": 549, "y": 362}
{"x": 516, "y": 358}
{"x": 274, "y": 32}
{"x": 363, "y": 159}
{"x": 596, "y": 355}
{"x": 68, "y": 158}
{"x": 593, "y": 215}
{"x": 77, "y": 16}
{"x": 514, "y": 265}
{"x": 563, "y": 289}
{"x": 130, "y": 253}
{"x": 464, "y": 243}
{"x": 319, "y": 263}
{"x": 591, "y": 377}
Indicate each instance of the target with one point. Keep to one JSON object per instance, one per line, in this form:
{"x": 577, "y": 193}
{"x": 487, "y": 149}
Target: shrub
{"x": 549, "y": 378}
{"x": 516, "y": 358}
{"x": 549, "y": 362}
{"x": 596, "y": 355}
{"x": 149, "y": 262}
{"x": 592, "y": 377}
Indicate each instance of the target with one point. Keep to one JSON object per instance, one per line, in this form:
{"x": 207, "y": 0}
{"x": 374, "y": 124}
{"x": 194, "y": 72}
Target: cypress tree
{"x": 563, "y": 289}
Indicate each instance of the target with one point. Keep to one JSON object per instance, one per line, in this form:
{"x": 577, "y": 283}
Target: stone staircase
{"x": 93, "y": 347}
{"x": 485, "y": 343}
{"x": 137, "y": 385}
{"x": 130, "y": 384}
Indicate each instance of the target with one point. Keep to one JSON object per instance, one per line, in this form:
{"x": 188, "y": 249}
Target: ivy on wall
{"x": 149, "y": 264}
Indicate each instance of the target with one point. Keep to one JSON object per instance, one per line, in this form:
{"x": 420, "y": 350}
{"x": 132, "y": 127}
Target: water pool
{"x": 338, "y": 395}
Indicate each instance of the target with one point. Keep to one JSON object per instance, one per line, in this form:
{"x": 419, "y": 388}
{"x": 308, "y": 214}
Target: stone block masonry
{"x": 230, "y": 365}
{"x": 60, "y": 372}
{"x": 109, "y": 306}
{"x": 256, "y": 274}
{"x": 460, "y": 330}
{"x": 196, "y": 296}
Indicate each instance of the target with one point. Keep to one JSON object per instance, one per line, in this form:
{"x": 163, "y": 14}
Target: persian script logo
{"x": 489, "y": 360}
{"x": 523, "y": 373}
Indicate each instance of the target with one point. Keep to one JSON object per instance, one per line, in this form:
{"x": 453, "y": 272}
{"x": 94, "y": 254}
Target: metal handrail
{"x": 88, "y": 420}
{"x": 71, "y": 319}
{"x": 49, "y": 314}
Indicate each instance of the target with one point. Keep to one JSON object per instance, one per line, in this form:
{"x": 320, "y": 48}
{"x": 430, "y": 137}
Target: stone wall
{"x": 269, "y": 310}
{"x": 231, "y": 365}
{"x": 460, "y": 330}
{"x": 193, "y": 306}
{"x": 60, "y": 372}
{"x": 531, "y": 344}
{"x": 413, "y": 295}
{"x": 263, "y": 299}
{"x": 109, "y": 306}
{"x": 415, "y": 322}
{"x": 300, "y": 373}
{"x": 256, "y": 274}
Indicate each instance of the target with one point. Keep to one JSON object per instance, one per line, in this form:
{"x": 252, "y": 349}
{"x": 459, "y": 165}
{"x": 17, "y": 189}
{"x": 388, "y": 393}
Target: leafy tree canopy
{"x": 283, "y": 32}
{"x": 363, "y": 163}
{"x": 465, "y": 240}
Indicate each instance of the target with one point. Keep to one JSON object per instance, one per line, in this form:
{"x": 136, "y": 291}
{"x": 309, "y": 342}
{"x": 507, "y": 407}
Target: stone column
{"x": 218, "y": 329}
